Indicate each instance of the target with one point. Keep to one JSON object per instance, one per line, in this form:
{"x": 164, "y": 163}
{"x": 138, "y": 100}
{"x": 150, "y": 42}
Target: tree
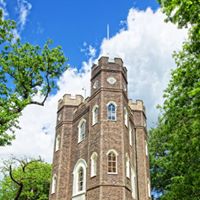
{"x": 175, "y": 142}
{"x": 29, "y": 179}
{"x": 26, "y": 71}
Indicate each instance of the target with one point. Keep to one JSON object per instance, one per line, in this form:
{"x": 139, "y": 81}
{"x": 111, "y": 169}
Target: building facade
{"x": 100, "y": 150}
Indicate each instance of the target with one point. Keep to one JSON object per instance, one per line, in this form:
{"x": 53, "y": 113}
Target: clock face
{"x": 96, "y": 84}
{"x": 111, "y": 80}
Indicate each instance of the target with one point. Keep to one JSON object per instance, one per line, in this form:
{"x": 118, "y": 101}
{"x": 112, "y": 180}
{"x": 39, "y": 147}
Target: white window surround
{"x": 81, "y": 163}
{"x": 95, "y": 114}
{"x": 81, "y": 130}
{"x": 53, "y": 184}
{"x": 149, "y": 188}
{"x": 116, "y": 154}
{"x": 133, "y": 183}
{"x": 146, "y": 148}
{"x": 125, "y": 116}
{"x": 111, "y": 114}
{"x": 93, "y": 161}
{"x": 130, "y": 134}
{"x": 127, "y": 166}
{"x": 58, "y": 141}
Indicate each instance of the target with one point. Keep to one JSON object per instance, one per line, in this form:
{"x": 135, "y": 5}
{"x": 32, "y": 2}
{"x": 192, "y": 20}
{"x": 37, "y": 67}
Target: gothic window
{"x": 57, "y": 146}
{"x": 130, "y": 134}
{"x": 81, "y": 130}
{"x": 125, "y": 116}
{"x": 94, "y": 164}
{"x": 95, "y": 114}
{"x": 79, "y": 177}
{"x": 127, "y": 166}
{"x": 112, "y": 162}
{"x": 53, "y": 184}
{"x": 111, "y": 111}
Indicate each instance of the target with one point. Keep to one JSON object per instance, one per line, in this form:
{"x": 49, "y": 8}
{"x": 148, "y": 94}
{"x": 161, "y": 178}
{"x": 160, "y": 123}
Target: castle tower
{"x": 100, "y": 148}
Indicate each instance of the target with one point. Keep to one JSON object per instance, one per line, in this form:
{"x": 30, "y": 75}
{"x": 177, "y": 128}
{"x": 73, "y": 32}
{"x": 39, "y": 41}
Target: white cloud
{"x": 23, "y": 7}
{"x": 146, "y": 48}
{"x": 145, "y": 45}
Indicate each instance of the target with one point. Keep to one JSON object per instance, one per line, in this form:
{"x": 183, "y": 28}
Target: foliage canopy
{"x": 175, "y": 142}
{"x": 26, "y": 71}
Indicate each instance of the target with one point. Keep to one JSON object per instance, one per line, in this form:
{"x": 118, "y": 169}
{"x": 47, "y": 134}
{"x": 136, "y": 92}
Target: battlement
{"x": 138, "y": 105}
{"x": 106, "y": 64}
{"x": 69, "y": 100}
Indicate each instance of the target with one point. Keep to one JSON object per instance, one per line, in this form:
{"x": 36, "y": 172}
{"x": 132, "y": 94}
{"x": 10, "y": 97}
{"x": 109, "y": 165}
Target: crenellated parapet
{"x": 105, "y": 64}
{"x": 69, "y": 100}
{"x": 137, "y": 105}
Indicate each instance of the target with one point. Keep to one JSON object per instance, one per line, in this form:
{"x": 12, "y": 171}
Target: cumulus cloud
{"x": 23, "y": 8}
{"x": 145, "y": 45}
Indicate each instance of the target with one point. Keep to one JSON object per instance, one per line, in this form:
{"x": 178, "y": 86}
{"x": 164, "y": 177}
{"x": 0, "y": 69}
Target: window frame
{"x": 125, "y": 116}
{"x": 54, "y": 184}
{"x": 110, "y": 114}
{"x": 81, "y": 136}
{"x": 80, "y": 164}
{"x": 95, "y": 116}
{"x": 58, "y": 142}
{"x": 127, "y": 166}
{"x": 130, "y": 134}
{"x": 93, "y": 165}
{"x": 116, "y": 161}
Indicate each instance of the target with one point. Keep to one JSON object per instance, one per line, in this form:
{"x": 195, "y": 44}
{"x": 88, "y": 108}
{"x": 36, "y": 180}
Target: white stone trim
{"x": 93, "y": 165}
{"x": 53, "y": 184}
{"x": 127, "y": 166}
{"x": 57, "y": 142}
{"x": 80, "y": 163}
{"x": 112, "y": 102}
{"x": 79, "y": 130}
{"x": 95, "y": 118}
{"x": 125, "y": 116}
{"x": 116, "y": 154}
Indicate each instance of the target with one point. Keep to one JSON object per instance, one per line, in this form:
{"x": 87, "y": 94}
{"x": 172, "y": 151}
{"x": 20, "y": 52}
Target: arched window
{"x": 53, "y": 184}
{"x": 81, "y": 130}
{"x": 79, "y": 177}
{"x": 127, "y": 166}
{"x": 94, "y": 164}
{"x": 95, "y": 114}
{"x": 111, "y": 111}
{"x": 130, "y": 134}
{"x": 133, "y": 183}
{"x": 112, "y": 162}
{"x": 125, "y": 116}
{"x": 57, "y": 146}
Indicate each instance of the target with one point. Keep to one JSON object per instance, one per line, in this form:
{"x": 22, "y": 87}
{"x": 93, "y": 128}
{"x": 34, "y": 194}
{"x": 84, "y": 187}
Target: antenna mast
{"x": 108, "y": 32}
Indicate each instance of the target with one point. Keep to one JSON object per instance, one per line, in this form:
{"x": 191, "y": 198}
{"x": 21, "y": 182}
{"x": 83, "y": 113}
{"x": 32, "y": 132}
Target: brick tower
{"x": 100, "y": 148}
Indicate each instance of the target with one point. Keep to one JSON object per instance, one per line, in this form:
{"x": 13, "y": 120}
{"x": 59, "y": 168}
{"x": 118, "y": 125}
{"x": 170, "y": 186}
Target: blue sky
{"x": 71, "y": 23}
{"x": 138, "y": 35}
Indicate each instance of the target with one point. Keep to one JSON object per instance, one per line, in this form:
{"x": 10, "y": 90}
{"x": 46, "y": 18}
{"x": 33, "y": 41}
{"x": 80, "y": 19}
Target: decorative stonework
{"x": 111, "y": 80}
